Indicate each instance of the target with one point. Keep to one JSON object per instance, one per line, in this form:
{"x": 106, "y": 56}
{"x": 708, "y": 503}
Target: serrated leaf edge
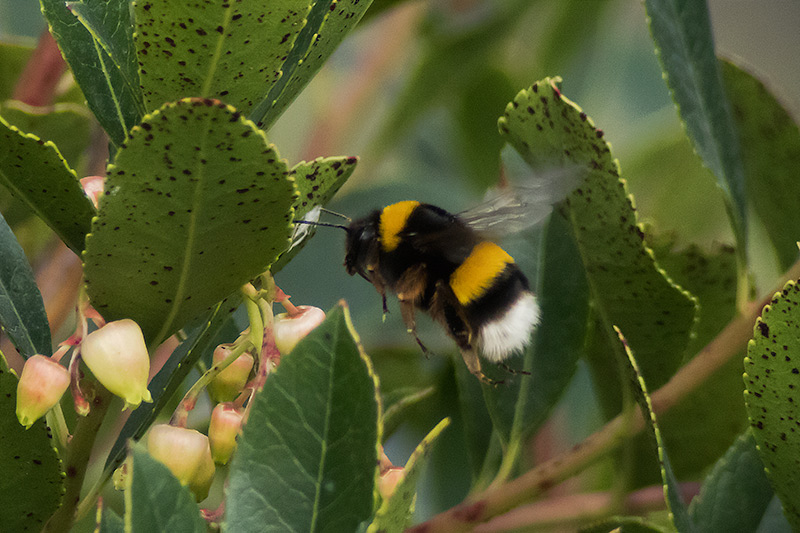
{"x": 47, "y": 145}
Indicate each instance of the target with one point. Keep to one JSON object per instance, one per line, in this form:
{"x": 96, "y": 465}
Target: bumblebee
{"x": 449, "y": 266}
{"x": 438, "y": 263}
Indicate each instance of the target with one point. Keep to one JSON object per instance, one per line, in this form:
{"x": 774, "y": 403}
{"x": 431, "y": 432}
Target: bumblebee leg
{"x": 510, "y": 370}
{"x": 410, "y": 288}
{"x": 377, "y": 281}
{"x": 474, "y": 365}
{"x": 407, "y": 312}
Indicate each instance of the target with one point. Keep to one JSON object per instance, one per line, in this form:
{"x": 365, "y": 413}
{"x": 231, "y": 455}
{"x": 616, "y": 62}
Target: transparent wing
{"x": 517, "y": 207}
{"x": 301, "y": 232}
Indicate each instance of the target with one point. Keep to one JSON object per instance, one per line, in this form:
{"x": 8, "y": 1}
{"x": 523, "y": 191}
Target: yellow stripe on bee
{"x": 475, "y": 275}
{"x": 393, "y": 220}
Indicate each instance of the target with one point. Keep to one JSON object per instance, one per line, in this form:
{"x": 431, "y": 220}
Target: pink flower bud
{"x": 186, "y": 453}
{"x": 387, "y": 483}
{"x": 384, "y": 463}
{"x": 230, "y": 382}
{"x": 226, "y": 422}
{"x": 289, "y": 330}
{"x": 93, "y": 188}
{"x": 117, "y": 356}
{"x": 40, "y": 387}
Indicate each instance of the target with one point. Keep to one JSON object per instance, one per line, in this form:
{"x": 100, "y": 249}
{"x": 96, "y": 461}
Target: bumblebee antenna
{"x": 334, "y": 213}
{"x": 310, "y": 223}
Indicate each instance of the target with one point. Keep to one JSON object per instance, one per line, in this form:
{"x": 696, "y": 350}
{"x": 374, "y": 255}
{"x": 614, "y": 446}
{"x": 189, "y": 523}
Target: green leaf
{"x": 32, "y": 483}
{"x": 628, "y": 288}
{"x": 395, "y": 513}
{"x": 679, "y": 515}
{"x": 201, "y": 340}
{"x": 317, "y": 181}
{"x": 772, "y": 379}
{"x": 22, "y": 314}
{"x": 156, "y": 501}
{"x": 306, "y": 460}
{"x": 116, "y": 104}
{"x": 774, "y": 520}
{"x": 711, "y": 277}
{"x": 108, "y": 521}
{"x": 474, "y": 426}
{"x": 111, "y": 25}
{"x": 736, "y": 493}
{"x": 709, "y": 273}
{"x": 196, "y": 204}
{"x": 685, "y": 47}
{"x": 521, "y": 405}
{"x": 770, "y": 142}
{"x": 230, "y": 51}
{"x": 66, "y": 125}
{"x": 327, "y": 24}
{"x": 35, "y": 172}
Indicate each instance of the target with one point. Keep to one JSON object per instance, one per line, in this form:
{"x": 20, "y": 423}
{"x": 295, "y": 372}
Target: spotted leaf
{"x": 328, "y": 22}
{"x": 233, "y": 51}
{"x": 317, "y": 181}
{"x": 626, "y": 284}
{"x": 197, "y": 203}
{"x": 772, "y": 380}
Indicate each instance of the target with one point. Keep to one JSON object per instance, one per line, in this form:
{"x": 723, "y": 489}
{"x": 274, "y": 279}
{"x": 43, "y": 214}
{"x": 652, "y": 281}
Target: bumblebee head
{"x": 361, "y": 246}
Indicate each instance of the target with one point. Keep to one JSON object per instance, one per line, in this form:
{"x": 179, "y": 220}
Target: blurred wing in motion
{"x": 517, "y": 207}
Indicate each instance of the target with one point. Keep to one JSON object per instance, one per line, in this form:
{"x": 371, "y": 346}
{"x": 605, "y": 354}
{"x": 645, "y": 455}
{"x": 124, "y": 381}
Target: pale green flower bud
{"x": 41, "y": 385}
{"x": 201, "y": 483}
{"x": 230, "y": 382}
{"x": 226, "y": 422}
{"x": 186, "y": 453}
{"x": 288, "y": 330}
{"x": 117, "y": 356}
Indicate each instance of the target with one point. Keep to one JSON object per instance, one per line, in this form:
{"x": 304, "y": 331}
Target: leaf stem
{"x": 77, "y": 460}
{"x": 58, "y": 425}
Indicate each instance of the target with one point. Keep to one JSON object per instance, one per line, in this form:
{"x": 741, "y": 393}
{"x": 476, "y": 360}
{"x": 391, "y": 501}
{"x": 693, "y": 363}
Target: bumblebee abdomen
{"x": 475, "y": 276}
{"x": 496, "y": 299}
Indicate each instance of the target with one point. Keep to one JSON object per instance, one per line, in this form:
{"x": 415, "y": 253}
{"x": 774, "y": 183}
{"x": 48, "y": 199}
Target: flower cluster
{"x": 115, "y": 353}
{"x": 117, "y": 357}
